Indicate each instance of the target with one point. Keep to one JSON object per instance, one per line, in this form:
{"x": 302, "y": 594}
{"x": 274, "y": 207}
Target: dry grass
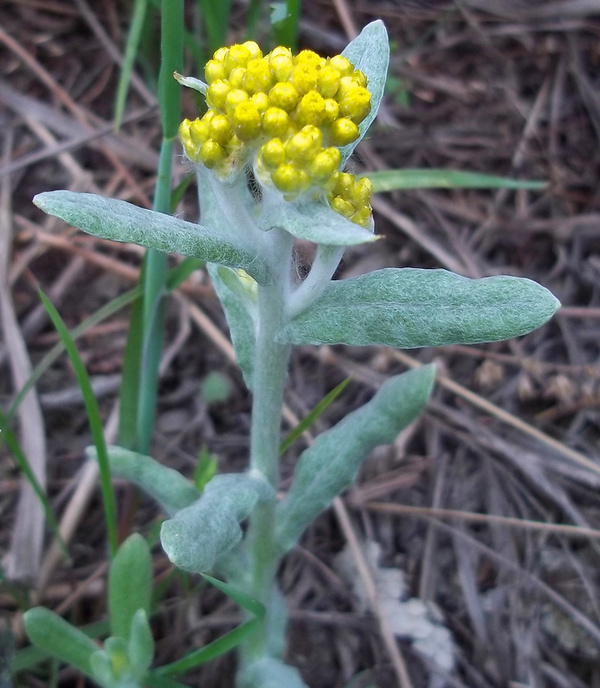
{"x": 490, "y": 503}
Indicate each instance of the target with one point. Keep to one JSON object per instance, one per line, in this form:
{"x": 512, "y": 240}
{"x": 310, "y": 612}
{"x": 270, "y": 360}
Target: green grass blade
{"x": 130, "y": 380}
{"x": 285, "y": 30}
{"x": 216, "y": 20}
{"x": 306, "y": 422}
{"x": 8, "y": 436}
{"x": 395, "y": 180}
{"x": 181, "y": 272}
{"x": 101, "y": 314}
{"x": 172, "y": 34}
{"x": 226, "y": 642}
{"x": 154, "y": 680}
{"x": 133, "y": 39}
{"x": 93, "y": 414}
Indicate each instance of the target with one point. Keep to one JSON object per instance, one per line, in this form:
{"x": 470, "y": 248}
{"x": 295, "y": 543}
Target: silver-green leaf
{"x": 411, "y": 308}
{"x": 117, "y": 220}
{"x": 166, "y": 485}
{"x": 331, "y": 463}
{"x": 198, "y": 535}
{"x": 369, "y": 52}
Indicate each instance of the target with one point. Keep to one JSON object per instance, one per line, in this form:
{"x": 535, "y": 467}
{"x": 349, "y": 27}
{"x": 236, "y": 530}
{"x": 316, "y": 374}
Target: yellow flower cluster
{"x": 293, "y": 113}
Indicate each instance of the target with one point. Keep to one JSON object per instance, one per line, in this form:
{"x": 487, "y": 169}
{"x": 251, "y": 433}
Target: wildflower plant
{"x": 270, "y": 154}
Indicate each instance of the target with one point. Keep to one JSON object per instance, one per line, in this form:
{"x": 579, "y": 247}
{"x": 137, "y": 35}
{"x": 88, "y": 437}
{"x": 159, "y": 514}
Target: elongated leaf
{"x": 196, "y": 536}
{"x": 331, "y": 463}
{"x": 369, "y": 52}
{"x": 411, "y": 308}
{"x": 57, "y": 637}
{"x": 120, "y": 221}
{"x": 141, "y": 643}
{"x": 129, "y": 584}
{"x": 238, "y": 311}
{"x": 166, "y": 485}
{"x": 93, "y": 415}
{"x": 393, "y": 180}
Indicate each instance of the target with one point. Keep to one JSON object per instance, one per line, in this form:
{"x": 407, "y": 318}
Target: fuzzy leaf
{"x": 410, "y": 308}
{"x": 141, "y": 644}
{"x": 59, "y": 638}
{"x": 120, "y": 221}
{"x": 129, "y": 584}
{"x": 369, "y": 52}
{"x": 331, "y": 463}
{"x": 198, "y": 535}
{"x": 237, "y": 307}
{"x": 314, "y": 221}
{"x": 166, "y": 485}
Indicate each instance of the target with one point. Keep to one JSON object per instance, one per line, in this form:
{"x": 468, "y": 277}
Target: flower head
{"x": 287, "y": 116}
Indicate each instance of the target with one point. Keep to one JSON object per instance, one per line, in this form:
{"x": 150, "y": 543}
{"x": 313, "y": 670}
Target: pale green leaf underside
{"x": 331, "y": 463}
{"x": 166, "y": 485}
{"x": 270, "y": 672}
{"x": 109, "y": 218}
{"x": 239, "y": 321}
{"x": 369, "y": 52}
{"x": 199, "y": 534}
{"x": 314, "y": 221}
{"x": 410, "y": 308}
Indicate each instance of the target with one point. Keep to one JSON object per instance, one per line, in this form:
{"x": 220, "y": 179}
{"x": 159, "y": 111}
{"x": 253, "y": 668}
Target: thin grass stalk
{"x": 155, "y": 262}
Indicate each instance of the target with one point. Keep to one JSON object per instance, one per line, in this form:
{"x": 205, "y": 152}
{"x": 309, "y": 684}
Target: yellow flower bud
{"x": 324, "y": 164}
{"x": 328, "y": 81}
{"x": 237, "y": 56}
{"x": 304, "y": 77}
{"x": 233, "y": 144}
{"x": 254, "y": 50}
{"x": 213, "y": 71}
{"x": 211, "y": 153}
{"x": 281, "y": 66}
{"x": 217, "y": 93}
{"x": 289, "y": 179}
{"x": 284, "y": 95}
{"x": 343, "y": 131}
{"x": 360, "y": 78}
{"x": 311, "y": 109}
{"x": 220, "y": 54}
{"x": 219, "y": 129}
{"x": 342, "y": 207}
{"x": 234, "y": 98}
{"x": 276, "y": 122}
{"x": 258, "y": 76}
{"x": 246, "y": 121}
{"x": 331, "y": 112}
{"x": 362, "y": 217}
{"x": 356, "y": 104}
{"x": 272, "y": 154}
{"x": 303, "y": 146}
{"x": 344, "y": 66}
{"x": 261, "y": 100}
{"x": 237, "y": 78}
{"x": 361, "y": 192}
{"x": 347, "y": 84}
{"x": 280, "y": 50}
{"x": 341, "y": 184}
{"x": 198, "y": 130}
{"x": 309, "y": 58}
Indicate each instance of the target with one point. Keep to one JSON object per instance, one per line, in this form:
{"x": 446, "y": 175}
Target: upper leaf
{"x": 411, "y": 307}
{"x": 369, "y": 52}
{"x": 121, "y": 221}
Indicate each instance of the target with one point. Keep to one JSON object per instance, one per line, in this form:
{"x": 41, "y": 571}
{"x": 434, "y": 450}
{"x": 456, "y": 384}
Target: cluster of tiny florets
{"x": 292, "y": 113}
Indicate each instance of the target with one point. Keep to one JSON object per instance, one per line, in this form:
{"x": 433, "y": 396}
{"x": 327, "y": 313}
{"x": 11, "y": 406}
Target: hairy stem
{"x": 270, "y": 373}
